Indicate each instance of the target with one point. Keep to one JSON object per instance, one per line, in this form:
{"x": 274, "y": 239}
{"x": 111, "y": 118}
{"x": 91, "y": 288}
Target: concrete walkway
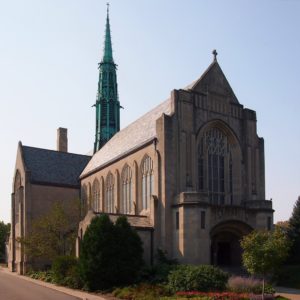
{"x": 292, "y": 294}
{"x": 76, "y": 293}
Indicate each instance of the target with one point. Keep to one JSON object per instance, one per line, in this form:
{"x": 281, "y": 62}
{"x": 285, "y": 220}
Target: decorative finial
{"x": 215, "y": 53}
{"x": 107, "y": 4}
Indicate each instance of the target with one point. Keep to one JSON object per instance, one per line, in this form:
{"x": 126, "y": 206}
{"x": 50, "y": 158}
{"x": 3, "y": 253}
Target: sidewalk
{"x": 76, "y": 293}
{"x": 289, "y": 293}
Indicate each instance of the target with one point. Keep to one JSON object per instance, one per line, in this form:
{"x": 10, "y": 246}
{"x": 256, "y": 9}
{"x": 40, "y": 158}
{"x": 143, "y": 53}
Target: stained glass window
{"x": 109, "y": 189}
{"x": 215, "y": 165}
{"x": 147, "y": 181}
{"x": 127, "y": 204}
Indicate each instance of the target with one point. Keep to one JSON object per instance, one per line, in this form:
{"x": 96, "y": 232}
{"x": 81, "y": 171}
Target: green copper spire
{"x": 107, "y": 101}
{"x": 107, "y": 55}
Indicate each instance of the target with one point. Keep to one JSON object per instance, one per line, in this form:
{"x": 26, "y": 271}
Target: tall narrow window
{"x": 96, "y": 196}
{"x": 127, "y": 204}
{"x": 84, "y": 199}
{"x": 230, "y": 180}
{"x": 109, "y": 193}
{"x": 147, "y": 181}
{"x": 215, "y": 166}
{"x": 200, "y": 166}
{"x": 202, "y": 219}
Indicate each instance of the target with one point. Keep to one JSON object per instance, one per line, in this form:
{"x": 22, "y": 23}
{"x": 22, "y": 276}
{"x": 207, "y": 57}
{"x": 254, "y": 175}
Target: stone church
{"x": 189, "y": 174}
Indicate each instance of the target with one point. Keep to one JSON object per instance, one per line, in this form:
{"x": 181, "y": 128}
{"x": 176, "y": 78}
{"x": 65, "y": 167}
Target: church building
{"x": 189, "y": 174}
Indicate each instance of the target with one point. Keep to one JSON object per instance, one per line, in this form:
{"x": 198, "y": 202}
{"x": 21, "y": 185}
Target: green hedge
{"x": 197, "y": 278}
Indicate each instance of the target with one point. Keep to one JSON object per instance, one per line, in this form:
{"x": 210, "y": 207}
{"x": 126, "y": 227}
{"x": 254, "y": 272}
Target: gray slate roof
{"x": 54, "y": 167}
{"x": 131, "y": 137}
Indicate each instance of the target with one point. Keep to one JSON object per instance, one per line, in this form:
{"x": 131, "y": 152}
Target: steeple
{"x": 107, "y": 100}
{"x": 107, "y": 55}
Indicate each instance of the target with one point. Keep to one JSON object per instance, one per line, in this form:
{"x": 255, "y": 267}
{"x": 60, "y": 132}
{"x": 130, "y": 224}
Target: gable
{"x": 213, "y": 80}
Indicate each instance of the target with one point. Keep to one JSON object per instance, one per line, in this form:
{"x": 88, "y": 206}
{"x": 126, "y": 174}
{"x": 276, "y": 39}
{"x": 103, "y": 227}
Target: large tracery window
{"x": 127, "y": 204}
{"x": 96, "y": 196}
{"x": 215, "y": 165}
{"x": 109, "y": 193}
{"x": 147, "y": 181}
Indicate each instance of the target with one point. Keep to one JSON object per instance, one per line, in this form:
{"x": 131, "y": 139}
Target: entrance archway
{"x": 225, "y": 243}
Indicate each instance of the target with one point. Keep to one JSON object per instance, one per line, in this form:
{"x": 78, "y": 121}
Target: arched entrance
{"x": 225, "y": 243}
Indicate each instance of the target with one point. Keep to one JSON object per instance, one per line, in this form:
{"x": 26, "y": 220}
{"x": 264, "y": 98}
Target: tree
{"x": 110, "y": 254}
{"x": 294, "y": 233}
{"x": 4, "y": 234}
{"x": 264, "y": 252}
{"x": 54, "y": 233}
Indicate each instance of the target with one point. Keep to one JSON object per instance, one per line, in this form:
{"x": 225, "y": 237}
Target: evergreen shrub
{"x": 111, "y": 255}
{"x": 197, "y": 278}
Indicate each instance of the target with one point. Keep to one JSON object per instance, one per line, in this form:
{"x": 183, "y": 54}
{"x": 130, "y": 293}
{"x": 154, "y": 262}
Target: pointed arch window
{"x": 127, "y": 204}
{"x": 83, "y": 198}
{"x": 147, "y": 181}
{"x": 109, "y": 193}
{"x": 215, "y": 166}
{"x": 17, "y": 195}
{"x": 96, "y": 196}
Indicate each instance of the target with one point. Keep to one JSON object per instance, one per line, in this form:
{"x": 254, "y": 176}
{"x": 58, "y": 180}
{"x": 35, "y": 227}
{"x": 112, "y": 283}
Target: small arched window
{"x": 96, "y": 196}
{"x": 147, "y": 181}
{"x": 127, "y": 204}
{"x": 109, "y": 193}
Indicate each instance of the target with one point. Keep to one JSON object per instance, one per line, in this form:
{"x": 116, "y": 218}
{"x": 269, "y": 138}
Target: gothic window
{"x": 83, "y": 200}
{"x": 127, "y": 204}
{"x": 109, "y": 193}
{"x": 215, "y": 166}
{"x": 147, "y": 181}
{"x": 17, "y": 192}
{"x": 96, "y": 196}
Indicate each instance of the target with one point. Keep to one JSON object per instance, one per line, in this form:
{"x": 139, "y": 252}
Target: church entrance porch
{"x": 225, "y": 243}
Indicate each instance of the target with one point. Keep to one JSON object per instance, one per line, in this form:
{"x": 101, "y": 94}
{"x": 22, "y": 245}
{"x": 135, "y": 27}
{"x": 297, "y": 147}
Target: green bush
{"x": 65, "y": 271}
{"x": 197, "y": 278}
{"x": 111, "y": 255}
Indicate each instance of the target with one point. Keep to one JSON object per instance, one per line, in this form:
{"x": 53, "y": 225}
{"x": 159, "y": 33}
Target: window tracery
{"x": 215, "y": 169}
{"x": 127, "y": 204}
{"x": 109, "y": 191}
{"x": 147, "y": 181}
{"x": 96, "y": 196}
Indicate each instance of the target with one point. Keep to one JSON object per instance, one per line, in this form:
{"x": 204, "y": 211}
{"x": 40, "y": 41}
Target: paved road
{"x": 14, "y": 288}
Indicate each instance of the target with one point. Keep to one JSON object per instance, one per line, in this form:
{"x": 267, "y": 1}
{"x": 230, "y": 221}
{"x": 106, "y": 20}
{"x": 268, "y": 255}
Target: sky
{"x": 50, "y": 50}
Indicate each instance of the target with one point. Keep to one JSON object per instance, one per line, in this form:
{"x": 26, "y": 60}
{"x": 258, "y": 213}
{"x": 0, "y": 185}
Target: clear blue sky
{"x": 49, "y": 52}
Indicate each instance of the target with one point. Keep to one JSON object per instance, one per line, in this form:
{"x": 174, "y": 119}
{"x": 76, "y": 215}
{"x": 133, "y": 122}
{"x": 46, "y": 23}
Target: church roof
{"x": 54, "y": 167}
{"x": 143, "y": 130}
{"x": 131, "y": 137}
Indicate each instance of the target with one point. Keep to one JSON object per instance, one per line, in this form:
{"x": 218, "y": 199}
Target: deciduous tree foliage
{"x": 54, "y": 233}
{"x": 294, "y": 234}
{"x": 110, "y": 255}
{"x": 4, "y": 233}
{"x": 264, "y": 251}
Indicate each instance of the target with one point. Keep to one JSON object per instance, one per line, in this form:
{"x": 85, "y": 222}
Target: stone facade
{"x": 37, "y": 184}
{"x": 196, "y": 172}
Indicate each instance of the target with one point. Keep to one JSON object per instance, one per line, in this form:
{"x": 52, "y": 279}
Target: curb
{"x": 75, "y": 293}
